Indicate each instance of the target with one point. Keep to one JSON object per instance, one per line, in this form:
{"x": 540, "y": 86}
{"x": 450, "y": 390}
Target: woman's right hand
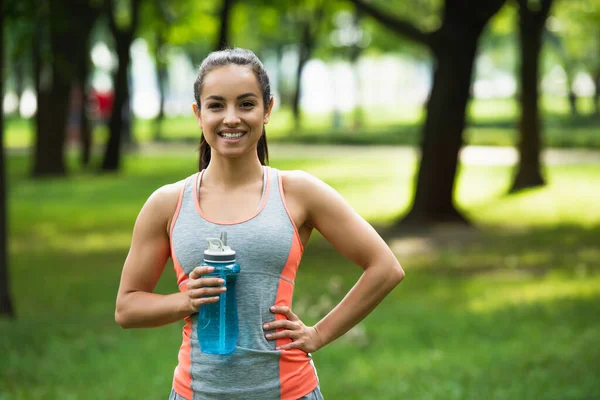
{"x": 203, "y": 290}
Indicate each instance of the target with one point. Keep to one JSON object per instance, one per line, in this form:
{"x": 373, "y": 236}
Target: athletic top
{"x": 268, "y": 249}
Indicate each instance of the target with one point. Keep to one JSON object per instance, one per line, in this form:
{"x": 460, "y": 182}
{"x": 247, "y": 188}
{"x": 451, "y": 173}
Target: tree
{"x": 569, "y": 65}
{"x": 157, "y": 17}
{"x": 577, "y": 25}
{"x": 123, "y": 38}
{"x": 6, "y": 306}
{"x": 57, "y": 64}
{"x": 532, "y": 20}
{"x": 309, "y": 22}
{"x": 454, "y": 47}
{"x": 223, "y": 39}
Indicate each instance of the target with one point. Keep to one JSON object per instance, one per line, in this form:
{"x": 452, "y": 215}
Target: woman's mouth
{"x": 232, "y": 135}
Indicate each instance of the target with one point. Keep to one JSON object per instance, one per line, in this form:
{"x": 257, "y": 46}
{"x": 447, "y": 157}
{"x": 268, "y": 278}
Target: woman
{"x": 269, "y": 216}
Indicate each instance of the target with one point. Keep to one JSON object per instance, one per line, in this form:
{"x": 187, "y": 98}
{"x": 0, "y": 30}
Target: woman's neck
{"x": 232, "y": 172}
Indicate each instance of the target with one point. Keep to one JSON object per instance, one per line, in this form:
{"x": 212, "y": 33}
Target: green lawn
{"x": 491, "y": 122}
{"x": 506, "y": 311}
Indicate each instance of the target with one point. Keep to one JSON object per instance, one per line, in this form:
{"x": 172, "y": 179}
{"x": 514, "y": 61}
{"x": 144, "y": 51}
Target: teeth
{"x": 233, "y": 135}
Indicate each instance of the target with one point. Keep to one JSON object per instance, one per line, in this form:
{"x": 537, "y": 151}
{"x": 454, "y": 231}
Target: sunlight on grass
{"x": 570, "y": 197}
{"x": 80, "y": 243}
{"x": 534, "y": 292}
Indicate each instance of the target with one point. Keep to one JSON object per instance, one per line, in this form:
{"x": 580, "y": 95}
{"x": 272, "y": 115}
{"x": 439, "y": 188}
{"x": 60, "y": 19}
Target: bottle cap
{"x": 218, "y": 251}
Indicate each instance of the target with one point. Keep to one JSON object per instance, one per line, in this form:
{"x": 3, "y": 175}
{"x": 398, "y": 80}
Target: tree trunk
{"x": 161, "y": 72}
{"x": 305, "y": 51}
{"x": 454, "y": 46}
{"x": 355, "y": 52}
{"x": 54, "y": 87}
{"x": 573, "y": 104}
{"x": 53, "y": 99}
{"x": 123, "y": 39}
{"x": 442, "y": 134}
{"x": 112, "y": 153}
{"x": 529, "y": 170}
{"x": 223, "y": 41}
{"x": 83, "y": 74}
{"x": 6, "y": 305}
{"x": 597, "y": 93}
{"x": 571, "y": 96}
{"x": 19, "y": 76}
{"x": 281, "y": 84}
{"x": 568, "y": 66}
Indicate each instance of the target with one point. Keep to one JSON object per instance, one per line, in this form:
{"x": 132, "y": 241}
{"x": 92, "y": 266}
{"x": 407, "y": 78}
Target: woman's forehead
{"x": 230, "y": 79}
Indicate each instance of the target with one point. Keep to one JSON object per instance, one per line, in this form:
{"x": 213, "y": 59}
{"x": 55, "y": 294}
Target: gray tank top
{"x": 268, "y": 250}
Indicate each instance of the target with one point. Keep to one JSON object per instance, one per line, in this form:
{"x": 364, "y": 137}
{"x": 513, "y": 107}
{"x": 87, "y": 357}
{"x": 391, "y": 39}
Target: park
{"x": 474, "y": 152}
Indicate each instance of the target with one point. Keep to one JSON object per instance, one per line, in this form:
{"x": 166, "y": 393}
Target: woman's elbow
{"x": 397, "y": 273}
{"x": 121, "y": 317}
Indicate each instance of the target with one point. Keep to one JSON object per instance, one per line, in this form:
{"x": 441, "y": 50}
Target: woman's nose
{"x": 231, "y": 117}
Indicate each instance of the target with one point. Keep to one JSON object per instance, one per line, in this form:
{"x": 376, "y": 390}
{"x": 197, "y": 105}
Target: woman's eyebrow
{"x": 221, "y": 98}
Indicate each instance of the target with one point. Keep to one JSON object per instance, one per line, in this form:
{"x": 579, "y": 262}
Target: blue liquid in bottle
{"x": 218, "y": 322}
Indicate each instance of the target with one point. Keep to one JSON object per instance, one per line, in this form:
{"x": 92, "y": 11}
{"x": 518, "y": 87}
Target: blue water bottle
{"x": 218, "y": 322}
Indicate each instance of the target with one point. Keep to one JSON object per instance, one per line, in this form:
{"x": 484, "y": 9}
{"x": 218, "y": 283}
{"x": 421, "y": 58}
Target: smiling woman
{"x": 268, "y": 216}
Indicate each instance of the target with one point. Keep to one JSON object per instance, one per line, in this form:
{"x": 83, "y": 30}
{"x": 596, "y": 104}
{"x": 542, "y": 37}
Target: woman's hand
{"x": 305, "y": 338}
{"x": 201, "y": 289}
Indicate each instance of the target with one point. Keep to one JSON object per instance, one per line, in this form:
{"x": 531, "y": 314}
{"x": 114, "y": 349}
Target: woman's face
{"x": 232, "y": 112}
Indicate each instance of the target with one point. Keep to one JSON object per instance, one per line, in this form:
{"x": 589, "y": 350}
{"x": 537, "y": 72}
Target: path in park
{"x": 471, "y": 155}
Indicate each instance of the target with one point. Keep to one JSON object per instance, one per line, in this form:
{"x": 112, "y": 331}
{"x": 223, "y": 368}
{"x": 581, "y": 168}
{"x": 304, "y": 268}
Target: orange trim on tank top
{"x": 297, "y": 375}
{"x": 182, "y": 379}
{"x": 261, "y": 205}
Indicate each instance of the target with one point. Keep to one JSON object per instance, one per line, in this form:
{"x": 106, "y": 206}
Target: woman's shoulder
{"x": 164, "y": 199}
{"x": 297, "y": 180}
{"x": 302, "y": 184}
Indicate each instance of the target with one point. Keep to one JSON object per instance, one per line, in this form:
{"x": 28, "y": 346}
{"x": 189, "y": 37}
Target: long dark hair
{"x": 222, "y": 58}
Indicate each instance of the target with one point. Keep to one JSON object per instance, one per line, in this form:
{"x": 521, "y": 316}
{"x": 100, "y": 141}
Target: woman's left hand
{"x": 305, "y": 338}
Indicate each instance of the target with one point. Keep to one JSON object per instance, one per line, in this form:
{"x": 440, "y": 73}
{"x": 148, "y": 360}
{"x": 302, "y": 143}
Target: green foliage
{"x": 508, "y": 311}
{"x": 577, "y": 23}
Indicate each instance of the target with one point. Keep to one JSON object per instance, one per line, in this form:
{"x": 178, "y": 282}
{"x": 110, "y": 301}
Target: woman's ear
{"x": 196, "y": 111}
{"x": 268, "y": 112}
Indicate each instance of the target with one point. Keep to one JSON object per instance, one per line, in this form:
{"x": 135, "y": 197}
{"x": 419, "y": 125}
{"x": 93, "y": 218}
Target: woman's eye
{"x": 247, "y": 104}
{"x": 214, "y": 105}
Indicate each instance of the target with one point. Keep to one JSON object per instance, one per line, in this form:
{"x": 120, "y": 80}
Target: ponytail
{"x": 261, "y": 149}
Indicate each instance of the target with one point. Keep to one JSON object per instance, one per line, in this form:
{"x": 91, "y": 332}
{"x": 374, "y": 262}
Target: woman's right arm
{"x": 137, "y": 306}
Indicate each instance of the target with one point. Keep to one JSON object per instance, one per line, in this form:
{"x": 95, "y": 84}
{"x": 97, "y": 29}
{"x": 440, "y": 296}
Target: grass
{"x": 506, "y": 311}
{"x": 491, "y": 122}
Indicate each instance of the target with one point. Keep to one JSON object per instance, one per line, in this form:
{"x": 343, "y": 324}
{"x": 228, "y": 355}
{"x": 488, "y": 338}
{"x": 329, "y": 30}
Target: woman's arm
{"x": 137, "y": 306}
{"x": 356, "y": 240}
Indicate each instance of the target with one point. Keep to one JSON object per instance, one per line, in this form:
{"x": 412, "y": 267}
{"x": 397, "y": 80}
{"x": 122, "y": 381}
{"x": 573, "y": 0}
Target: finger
{"x": 283, "y": 334}
{"x": 197, "y": 303}
{"x": 285, "y": 311}
{"x": 206, "y": 291}
{"x": 198, "y": 271}
{"x": 281, "y": 324}
{"x": 202, "y": 282}
{"x": 290, "y": 346}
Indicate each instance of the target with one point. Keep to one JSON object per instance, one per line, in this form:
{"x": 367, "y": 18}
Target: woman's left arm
{"x": 357, "y": 241}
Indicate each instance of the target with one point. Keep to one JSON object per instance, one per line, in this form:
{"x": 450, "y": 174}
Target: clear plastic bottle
{"x": 218, "y": 322}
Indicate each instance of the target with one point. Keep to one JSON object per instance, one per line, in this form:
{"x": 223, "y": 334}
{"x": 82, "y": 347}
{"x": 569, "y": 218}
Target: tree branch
{"x": 112, "y": 23}
{"x": 522, "y": 4}
{"x": 398, "y": 25}
{"x": 546, "y": 6}
{"x": 135, "y": 10}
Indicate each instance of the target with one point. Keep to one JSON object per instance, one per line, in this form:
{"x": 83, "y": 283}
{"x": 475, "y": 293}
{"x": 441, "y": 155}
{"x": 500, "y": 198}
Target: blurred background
{"x": 466, "y": 132}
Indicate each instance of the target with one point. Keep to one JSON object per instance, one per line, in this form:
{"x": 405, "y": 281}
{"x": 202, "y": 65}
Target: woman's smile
{"x": 231, "y": 135}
